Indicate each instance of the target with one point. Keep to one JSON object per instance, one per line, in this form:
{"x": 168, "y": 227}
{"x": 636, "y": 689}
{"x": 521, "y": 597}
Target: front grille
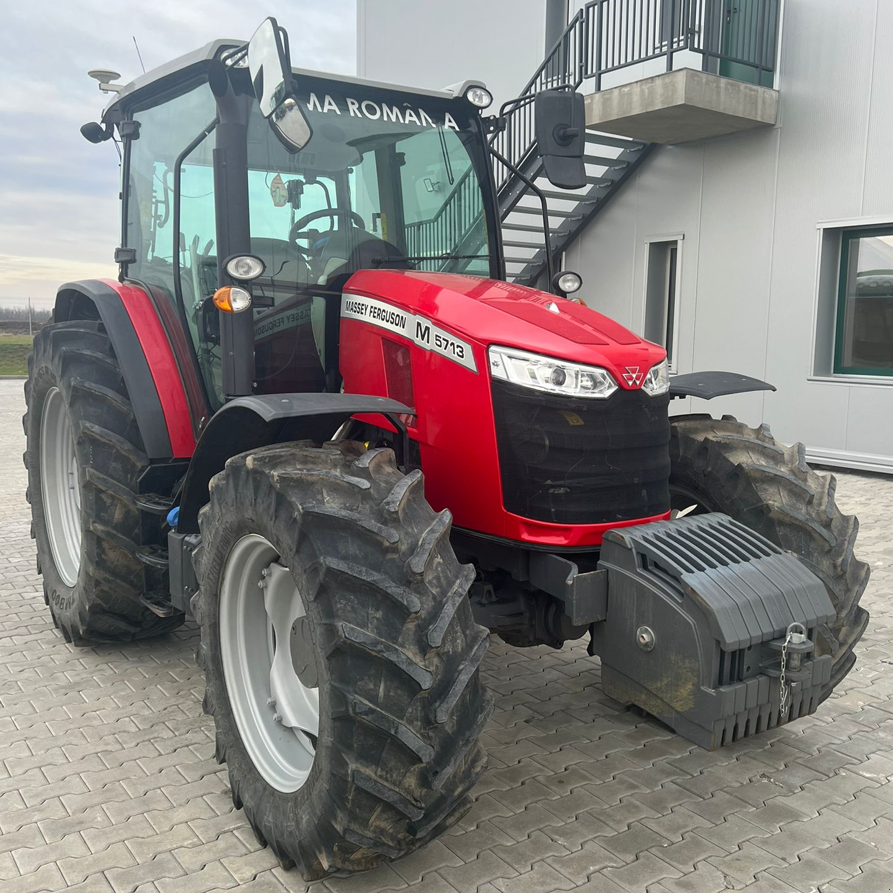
{"x": 582, "y": 461}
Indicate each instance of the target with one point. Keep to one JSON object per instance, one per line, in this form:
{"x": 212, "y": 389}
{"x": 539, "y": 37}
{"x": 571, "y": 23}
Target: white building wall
{"x": 432, "y": 44}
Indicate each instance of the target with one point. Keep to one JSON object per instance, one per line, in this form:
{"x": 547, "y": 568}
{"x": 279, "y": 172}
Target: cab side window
{"x": 165, "y": 131}
{"x": 170, "y": 218}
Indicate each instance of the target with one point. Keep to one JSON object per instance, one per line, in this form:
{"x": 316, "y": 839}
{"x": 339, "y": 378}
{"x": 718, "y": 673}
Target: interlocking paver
{"x": 645, "y": 870}
{"x": 79, "y": 868}
{"x": 579, "y": 866}
{"x": 108, "y": 782}
{"x": 126, "y": 880}
{"x": 30, "y": 859}
{"x": 810, "y": 872}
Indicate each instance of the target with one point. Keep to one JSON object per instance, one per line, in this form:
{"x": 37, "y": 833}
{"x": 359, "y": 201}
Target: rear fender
{"x": 144, "y": 353}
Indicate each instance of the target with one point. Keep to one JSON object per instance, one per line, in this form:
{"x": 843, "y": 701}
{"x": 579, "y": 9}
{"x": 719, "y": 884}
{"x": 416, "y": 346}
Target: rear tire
{"x": 396, "y": 651}
{"x": 93, "y": 587}
{"x": 725, "y": 466}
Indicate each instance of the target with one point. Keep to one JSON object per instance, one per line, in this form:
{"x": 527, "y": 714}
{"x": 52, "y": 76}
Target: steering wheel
{"x": 301, "y": 222}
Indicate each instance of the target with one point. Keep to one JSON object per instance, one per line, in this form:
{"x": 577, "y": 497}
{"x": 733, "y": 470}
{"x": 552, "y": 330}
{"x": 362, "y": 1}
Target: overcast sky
{"x": 58, "y": 193}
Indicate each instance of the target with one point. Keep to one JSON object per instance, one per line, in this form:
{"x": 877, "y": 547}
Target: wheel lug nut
{"x": 277, "y": 717}
{"x": 271, "y": 702}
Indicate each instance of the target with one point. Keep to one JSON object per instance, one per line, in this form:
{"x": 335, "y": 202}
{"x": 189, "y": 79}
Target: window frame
{"x": 847, "y": 236}
{"x": 673, "y": 318}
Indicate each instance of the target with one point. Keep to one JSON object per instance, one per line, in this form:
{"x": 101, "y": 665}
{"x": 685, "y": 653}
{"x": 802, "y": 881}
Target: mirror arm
{"x": 550, "y": 267}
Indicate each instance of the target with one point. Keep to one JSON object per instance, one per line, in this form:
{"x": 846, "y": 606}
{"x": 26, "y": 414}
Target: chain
{"x": 796, "y": 634}
{"x": 782, "y": 679}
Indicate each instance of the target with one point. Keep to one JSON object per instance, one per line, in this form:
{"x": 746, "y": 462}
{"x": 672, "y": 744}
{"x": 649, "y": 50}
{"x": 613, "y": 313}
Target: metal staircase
{"x": 609, "y": 161}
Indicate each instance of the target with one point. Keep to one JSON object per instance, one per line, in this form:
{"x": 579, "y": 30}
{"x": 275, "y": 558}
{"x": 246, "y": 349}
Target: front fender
{"x": 248, "y": 423}
{"x": 708, "y": 385}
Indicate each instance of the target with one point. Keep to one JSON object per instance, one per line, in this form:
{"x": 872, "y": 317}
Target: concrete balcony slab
{"x": 680, "y": 106}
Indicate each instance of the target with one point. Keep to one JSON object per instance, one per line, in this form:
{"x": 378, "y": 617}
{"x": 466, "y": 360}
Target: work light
{"x": 478, "y": 96}
{"x": 530, "y": 370}
{"x": 245, "y": 267}
{"x": 567, "y": 282}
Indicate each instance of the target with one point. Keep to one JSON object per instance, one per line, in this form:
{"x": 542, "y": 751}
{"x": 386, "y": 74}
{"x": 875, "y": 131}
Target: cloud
{"x": 59, "y": 213}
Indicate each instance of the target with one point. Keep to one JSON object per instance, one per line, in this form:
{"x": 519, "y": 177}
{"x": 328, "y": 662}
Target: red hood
{"x": 492, "y": 312}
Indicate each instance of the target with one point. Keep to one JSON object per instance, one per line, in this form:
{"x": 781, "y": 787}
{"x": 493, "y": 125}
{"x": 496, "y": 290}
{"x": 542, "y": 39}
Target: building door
{"x": 662, "y": 295}
{"x": 748, "y": 35}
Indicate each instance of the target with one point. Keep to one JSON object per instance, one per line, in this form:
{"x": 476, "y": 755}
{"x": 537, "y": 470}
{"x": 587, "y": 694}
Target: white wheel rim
{"x": 60, "y": 487}
{"x": 277, "y": 715}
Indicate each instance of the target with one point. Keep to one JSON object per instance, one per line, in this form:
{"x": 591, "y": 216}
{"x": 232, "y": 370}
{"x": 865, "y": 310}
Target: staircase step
{"x": 615, "y": 142}
{"x": 534, "y": 246}
{"x": 520, "y": 227}
{"x": 153, "y": 556}
{"x": 569, "y": 197}
{"x": 592, "y": 181}
{"x": 603, "y": 160}
{"x": 525, "y": 209}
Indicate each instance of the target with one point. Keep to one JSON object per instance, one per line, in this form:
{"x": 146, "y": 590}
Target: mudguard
{"x": 699, "y": 613}
{"x": 147, "y": 362}
{"x": 247, "y": 423}
{"x": 708, "y": 385}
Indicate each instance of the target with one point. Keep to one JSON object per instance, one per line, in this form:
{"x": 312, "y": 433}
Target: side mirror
{"x": 269, "y": 66}
{"x": 561, "y": 136}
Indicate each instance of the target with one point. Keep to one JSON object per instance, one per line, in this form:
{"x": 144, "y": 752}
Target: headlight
{"x": 245, "y": 267}
{"x": 479, "y": 97}
{"x": 657, "y": 381}
{"x": 540, "y": 373}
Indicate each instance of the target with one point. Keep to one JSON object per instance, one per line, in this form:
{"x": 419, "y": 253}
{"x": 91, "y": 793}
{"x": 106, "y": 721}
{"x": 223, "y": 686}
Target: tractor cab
{"x": 377, "y": 177}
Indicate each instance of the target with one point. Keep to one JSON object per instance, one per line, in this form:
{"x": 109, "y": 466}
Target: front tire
{"x": 384, "y": 635}
{"x": 84, "y": 459}
{"x": 723, "y": 465}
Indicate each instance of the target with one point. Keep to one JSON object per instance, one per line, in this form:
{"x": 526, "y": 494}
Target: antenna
{"x": 139, "y": 54}
{"x": 105, "y": 76}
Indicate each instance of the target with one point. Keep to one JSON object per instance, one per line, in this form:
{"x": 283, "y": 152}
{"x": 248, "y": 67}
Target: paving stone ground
{"x": 108, "y": 781}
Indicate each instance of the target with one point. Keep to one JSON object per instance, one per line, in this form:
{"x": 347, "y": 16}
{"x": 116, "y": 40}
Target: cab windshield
{"x": 391, "y": 184}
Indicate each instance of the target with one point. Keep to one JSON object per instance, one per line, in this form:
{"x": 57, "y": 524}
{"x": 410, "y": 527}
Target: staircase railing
{"x": 606, "y": 36}
{"x": 450, "y": 227}
{"x": 563, "y": 67}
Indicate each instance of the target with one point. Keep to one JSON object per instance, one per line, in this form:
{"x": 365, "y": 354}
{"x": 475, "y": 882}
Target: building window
{"x": 863, "y": 342}
{"x": 662, "y": 295}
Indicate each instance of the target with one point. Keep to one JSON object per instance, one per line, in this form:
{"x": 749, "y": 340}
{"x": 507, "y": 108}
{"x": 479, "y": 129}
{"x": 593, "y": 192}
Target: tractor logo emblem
{"x": 633, "y": 377}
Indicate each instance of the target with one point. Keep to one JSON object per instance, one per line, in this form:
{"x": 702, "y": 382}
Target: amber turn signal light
{"x": 232, "y": 299}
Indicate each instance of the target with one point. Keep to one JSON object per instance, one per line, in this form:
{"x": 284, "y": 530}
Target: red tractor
{"x": 311, "y": 312}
